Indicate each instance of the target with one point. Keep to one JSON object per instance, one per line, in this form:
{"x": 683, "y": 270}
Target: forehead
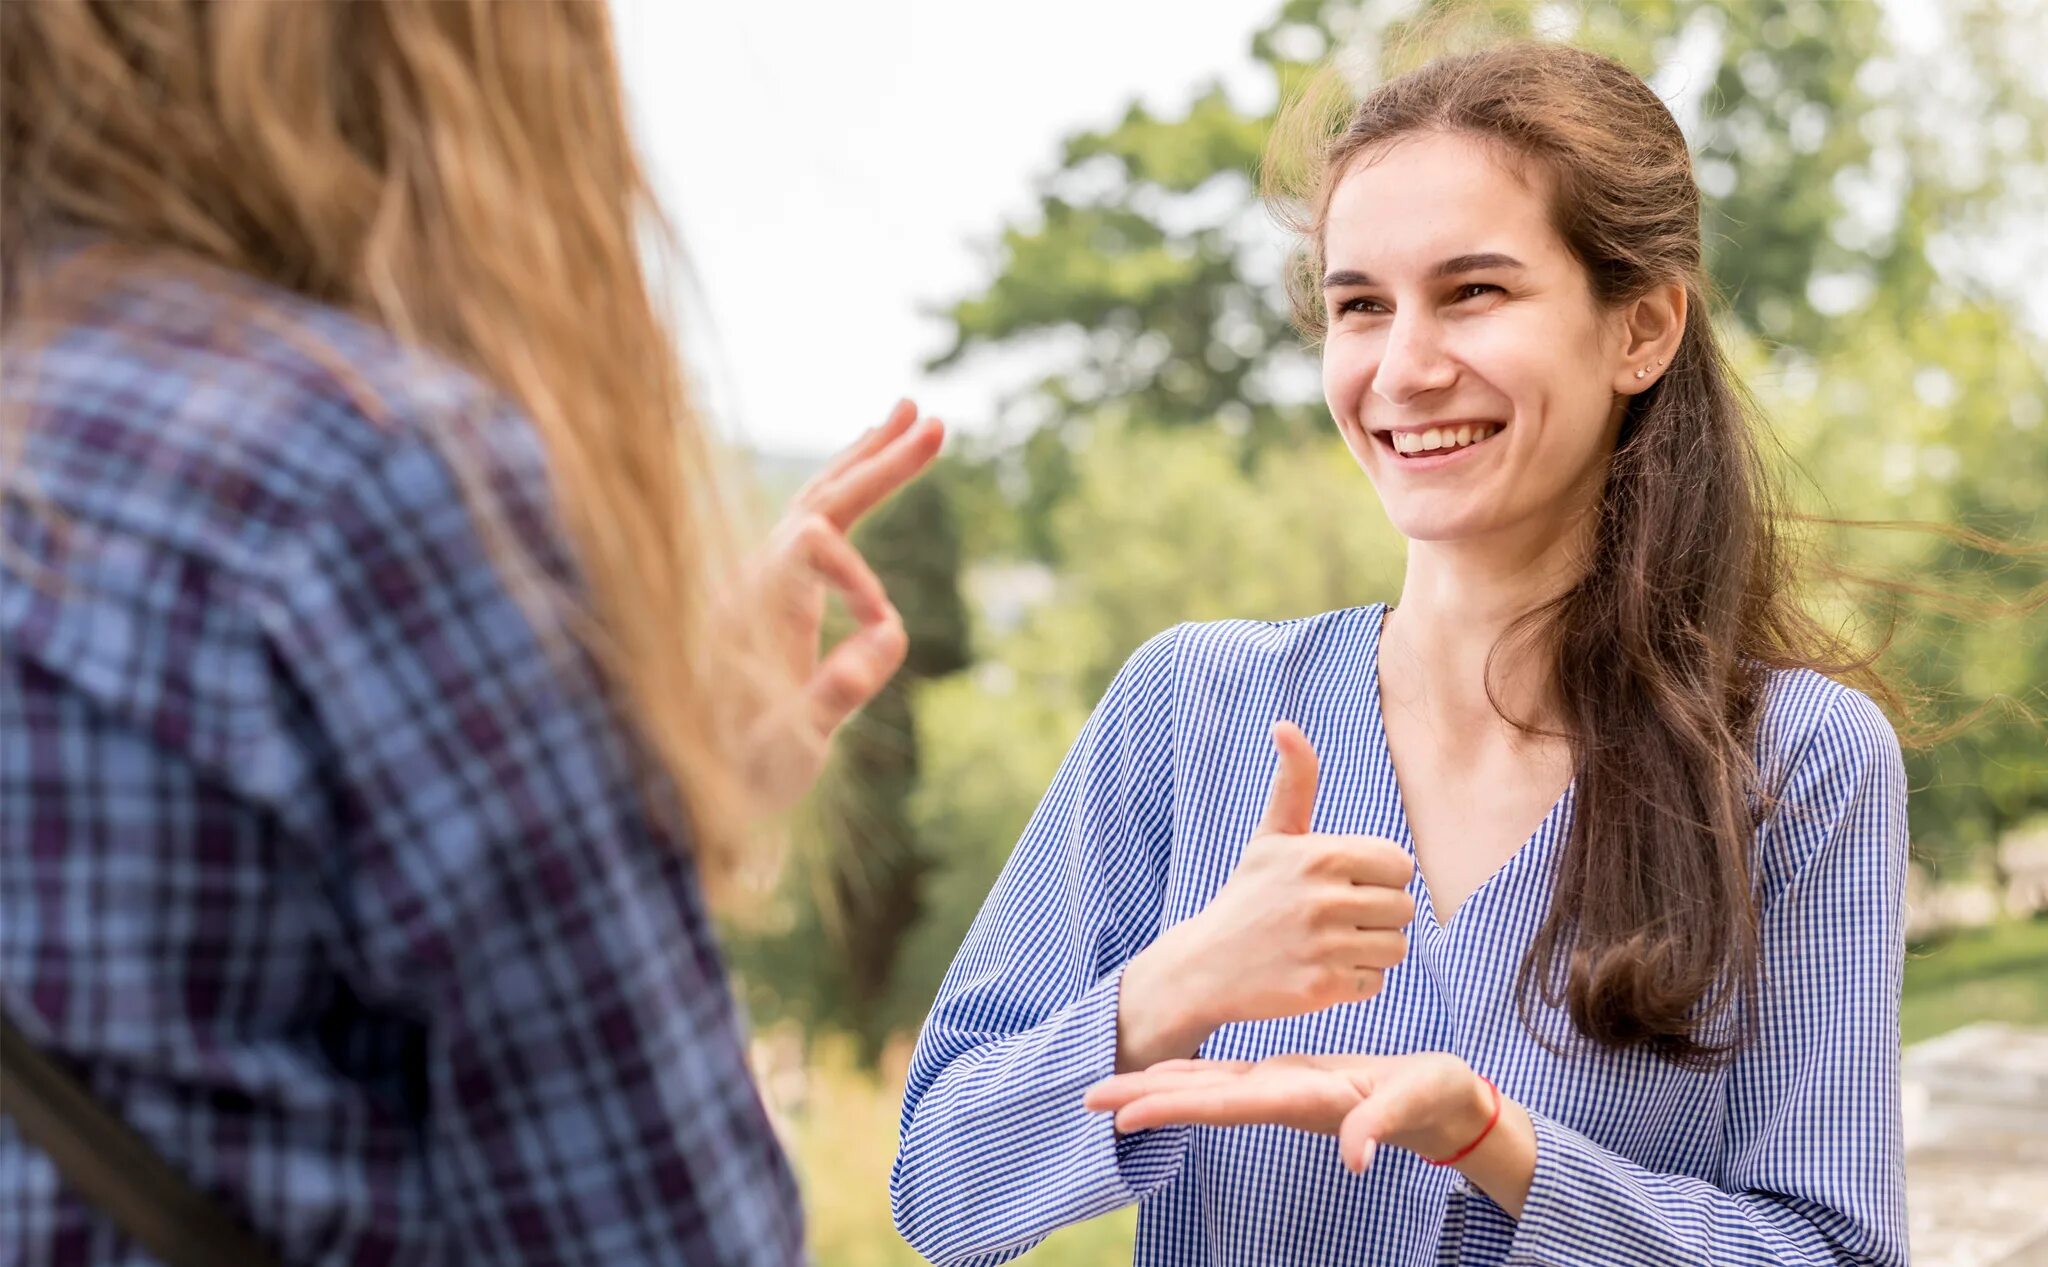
{"x": 1431, "y": 196}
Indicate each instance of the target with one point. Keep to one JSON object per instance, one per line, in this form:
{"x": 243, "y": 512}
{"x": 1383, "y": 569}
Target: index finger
{"x": 1372, "y": 860}
{"x": 867, "y": 481}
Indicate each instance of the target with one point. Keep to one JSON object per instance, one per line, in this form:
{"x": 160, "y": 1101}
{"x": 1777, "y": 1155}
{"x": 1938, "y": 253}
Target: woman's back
{"x": 328, "y": 872}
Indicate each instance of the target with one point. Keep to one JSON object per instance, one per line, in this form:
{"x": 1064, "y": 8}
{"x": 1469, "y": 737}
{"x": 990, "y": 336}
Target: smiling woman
{"x": 1566, "y": 898}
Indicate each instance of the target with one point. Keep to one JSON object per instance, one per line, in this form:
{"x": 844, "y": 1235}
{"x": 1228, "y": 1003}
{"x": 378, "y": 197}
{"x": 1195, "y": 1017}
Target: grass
{"x": 1995, "y": 973}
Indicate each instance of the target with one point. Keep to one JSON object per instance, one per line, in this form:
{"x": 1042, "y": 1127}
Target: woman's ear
{"x": 1651, "y": 328}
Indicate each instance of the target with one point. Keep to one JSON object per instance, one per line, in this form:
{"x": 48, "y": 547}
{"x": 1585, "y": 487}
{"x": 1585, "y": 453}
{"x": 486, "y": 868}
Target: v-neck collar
{"x": 1538, "y": 842}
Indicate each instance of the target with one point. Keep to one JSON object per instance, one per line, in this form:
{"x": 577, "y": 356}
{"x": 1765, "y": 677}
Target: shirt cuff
{"x": 1145, "y": 1160}
{"x": 1563, "y": 1223}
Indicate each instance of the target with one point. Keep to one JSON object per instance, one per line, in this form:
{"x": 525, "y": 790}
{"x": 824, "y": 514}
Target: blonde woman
{"x": 378, "y": 698}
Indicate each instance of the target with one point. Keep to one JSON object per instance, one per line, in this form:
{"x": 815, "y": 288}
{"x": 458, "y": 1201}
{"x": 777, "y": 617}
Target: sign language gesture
{"x": 1430, "y": 1103}
{"x": 1307, "y": 920}
{"x": 785, "y": 587}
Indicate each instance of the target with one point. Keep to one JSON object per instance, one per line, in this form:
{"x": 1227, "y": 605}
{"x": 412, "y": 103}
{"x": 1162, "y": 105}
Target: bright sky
{"x": 838, "y": 170}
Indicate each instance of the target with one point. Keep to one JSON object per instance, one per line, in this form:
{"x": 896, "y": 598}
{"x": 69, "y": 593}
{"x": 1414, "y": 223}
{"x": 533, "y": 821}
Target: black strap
{"x": 113, "y": 1167}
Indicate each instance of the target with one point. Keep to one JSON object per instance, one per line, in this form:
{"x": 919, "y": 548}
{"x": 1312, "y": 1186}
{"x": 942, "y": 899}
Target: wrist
{"x": 1503, "y": 1166}
{"x": 1470, "y": 1114}
{"x": 1160, "y": 1014}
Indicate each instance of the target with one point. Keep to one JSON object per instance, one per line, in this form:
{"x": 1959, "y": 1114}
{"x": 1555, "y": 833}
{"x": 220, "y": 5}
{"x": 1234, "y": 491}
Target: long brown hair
{"x": 1661, "y": 648}
{"x": 462, "y": 174}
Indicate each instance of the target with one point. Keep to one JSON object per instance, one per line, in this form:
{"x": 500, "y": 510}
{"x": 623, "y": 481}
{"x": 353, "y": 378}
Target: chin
{"x": 1443, "y": 523}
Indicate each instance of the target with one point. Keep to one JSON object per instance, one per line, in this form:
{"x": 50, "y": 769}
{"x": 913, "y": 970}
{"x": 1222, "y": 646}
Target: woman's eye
{"x": 1472, "y": 290}
{"x": 1358, "y": 305}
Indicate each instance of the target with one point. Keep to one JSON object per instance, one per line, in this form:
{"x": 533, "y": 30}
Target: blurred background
{"x": 1040, "y": 222}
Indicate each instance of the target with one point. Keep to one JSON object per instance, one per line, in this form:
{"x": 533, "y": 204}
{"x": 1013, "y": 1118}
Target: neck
{"x": 1458, "y": 599}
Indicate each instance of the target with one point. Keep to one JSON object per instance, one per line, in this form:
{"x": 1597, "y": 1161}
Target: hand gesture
{"x": 1430, "y": 1103}
{"x": 785, "y": 588}
{"x": 1306, "y": 920}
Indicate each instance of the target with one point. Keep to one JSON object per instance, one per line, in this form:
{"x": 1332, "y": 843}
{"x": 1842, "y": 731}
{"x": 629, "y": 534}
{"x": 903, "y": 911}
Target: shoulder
{"x": 213, "y": 415}
{"x": 1809, "y": 722}
{"x": 1830, "y": 769}
{"x": 1220, "y": 653}
{"x": 202, "y": 454}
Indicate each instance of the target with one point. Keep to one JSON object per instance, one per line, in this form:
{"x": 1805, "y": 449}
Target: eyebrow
{"x": 1447, "y": 268}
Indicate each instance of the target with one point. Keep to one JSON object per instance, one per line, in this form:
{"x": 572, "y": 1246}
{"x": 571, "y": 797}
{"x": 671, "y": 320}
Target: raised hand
{"x": 1307, "y": 920}
{"x": 785, "y": 587}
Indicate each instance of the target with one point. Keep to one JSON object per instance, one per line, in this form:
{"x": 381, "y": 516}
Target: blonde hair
{"x": 460, "y": 173}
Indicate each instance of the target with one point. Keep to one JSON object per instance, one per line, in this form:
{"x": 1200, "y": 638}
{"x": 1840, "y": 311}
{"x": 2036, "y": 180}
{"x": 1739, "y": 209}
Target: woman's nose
{"x": 1413, "y": 362}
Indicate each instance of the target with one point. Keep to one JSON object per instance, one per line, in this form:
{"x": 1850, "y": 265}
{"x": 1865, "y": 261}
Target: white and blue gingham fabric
{"x": 1789, "y": 1155}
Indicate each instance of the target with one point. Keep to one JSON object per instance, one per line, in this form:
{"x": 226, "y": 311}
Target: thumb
{"x": 1291, "y": 802}
{"x": 1359, "y": 1136}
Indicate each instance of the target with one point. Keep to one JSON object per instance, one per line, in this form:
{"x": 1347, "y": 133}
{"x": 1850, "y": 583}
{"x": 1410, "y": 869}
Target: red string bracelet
{"x": 1484, "y": 1131}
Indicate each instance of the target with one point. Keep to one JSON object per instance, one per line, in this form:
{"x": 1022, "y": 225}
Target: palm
{"x": 1407, "y": 1098}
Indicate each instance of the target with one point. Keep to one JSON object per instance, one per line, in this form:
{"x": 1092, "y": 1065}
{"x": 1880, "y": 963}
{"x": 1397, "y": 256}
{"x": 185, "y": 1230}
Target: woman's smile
{"x": 1432, "y": 447}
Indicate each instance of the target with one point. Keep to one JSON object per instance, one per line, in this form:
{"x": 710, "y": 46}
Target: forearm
{"x": 1586, "y": 1204}
{"x": 998, "y": 1150}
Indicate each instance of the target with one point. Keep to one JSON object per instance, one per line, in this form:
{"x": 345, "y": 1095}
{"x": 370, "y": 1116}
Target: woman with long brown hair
{"x": 1638, "y": 858}
{"x": 380, "y": 693}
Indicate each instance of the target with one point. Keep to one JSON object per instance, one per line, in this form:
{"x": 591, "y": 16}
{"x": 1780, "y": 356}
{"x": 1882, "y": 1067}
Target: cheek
{"x": 1557, "y": 379}
{"x": 1347, "y": 368}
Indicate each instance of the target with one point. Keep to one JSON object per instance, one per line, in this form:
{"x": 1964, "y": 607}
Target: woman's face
{"x": 1467, "y": 364}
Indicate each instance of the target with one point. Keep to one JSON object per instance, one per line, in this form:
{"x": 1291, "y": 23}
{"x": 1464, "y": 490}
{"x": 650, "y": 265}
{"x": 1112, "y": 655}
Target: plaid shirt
{"x": 316, "y": 862}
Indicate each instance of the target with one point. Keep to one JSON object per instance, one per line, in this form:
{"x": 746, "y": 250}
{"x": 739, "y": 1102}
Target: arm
{"x": 996, "y": 1149}
{"x": 1814, "y": 1166}
{"x": 585, "y": 1098}
{"x": 1815, "y": 1160}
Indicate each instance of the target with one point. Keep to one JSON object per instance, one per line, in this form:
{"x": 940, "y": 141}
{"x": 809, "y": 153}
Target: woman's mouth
{"x": 1435, "y": 444}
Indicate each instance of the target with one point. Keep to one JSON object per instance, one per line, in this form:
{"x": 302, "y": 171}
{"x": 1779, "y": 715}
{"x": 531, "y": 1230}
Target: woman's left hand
{"x": 1430, "y": 1103}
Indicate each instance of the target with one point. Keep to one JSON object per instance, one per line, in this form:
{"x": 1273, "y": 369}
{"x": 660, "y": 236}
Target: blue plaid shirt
{"x": 316, "y": 862}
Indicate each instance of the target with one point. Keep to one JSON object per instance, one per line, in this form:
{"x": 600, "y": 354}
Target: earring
{"x": 1646, "y": 373}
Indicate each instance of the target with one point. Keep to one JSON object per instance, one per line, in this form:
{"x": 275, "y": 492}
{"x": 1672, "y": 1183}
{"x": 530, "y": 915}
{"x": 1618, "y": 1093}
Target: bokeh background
{"x": 1041, "y": 221}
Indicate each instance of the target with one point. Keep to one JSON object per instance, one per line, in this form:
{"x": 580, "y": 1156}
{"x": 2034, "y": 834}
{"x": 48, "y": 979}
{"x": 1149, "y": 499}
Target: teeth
{"x": 1443, "y": 437}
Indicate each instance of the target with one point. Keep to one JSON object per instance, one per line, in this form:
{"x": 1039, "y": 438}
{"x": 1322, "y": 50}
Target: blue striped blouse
{"x": 1791, "y": 1154}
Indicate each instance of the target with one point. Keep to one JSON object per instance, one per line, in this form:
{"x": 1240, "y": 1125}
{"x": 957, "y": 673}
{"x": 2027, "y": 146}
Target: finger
{"x": 1232, "y": 1066}
{"x": 1372, "y": 860}
{"x": 840, "y": 565}
{"x": 1357, "y": 1137}
{"x": 1114, "y": 1093}
{"x": 855, "y": 671}
{"x": 1291, "y": 801}
{"x": 870, "y": 442}
{"x": 1388, "y": 1106}
{"x": 1377, "y": 949}
{"x": 1362, "y": 982}
{"x": 1369, "y": 906}
{"x": 1239, "y": 1102}
{"x": 864, "y": 484}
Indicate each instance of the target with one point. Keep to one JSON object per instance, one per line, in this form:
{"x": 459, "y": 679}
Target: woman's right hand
{"x": 1307, "y": 920}
{"x": 783, "y": 590}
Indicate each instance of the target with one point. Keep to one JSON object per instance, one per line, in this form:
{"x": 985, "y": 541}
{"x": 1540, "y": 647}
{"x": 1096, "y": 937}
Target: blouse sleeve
{"x": 996, "y": 1148}
{"x": 1815, "y": 1170}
